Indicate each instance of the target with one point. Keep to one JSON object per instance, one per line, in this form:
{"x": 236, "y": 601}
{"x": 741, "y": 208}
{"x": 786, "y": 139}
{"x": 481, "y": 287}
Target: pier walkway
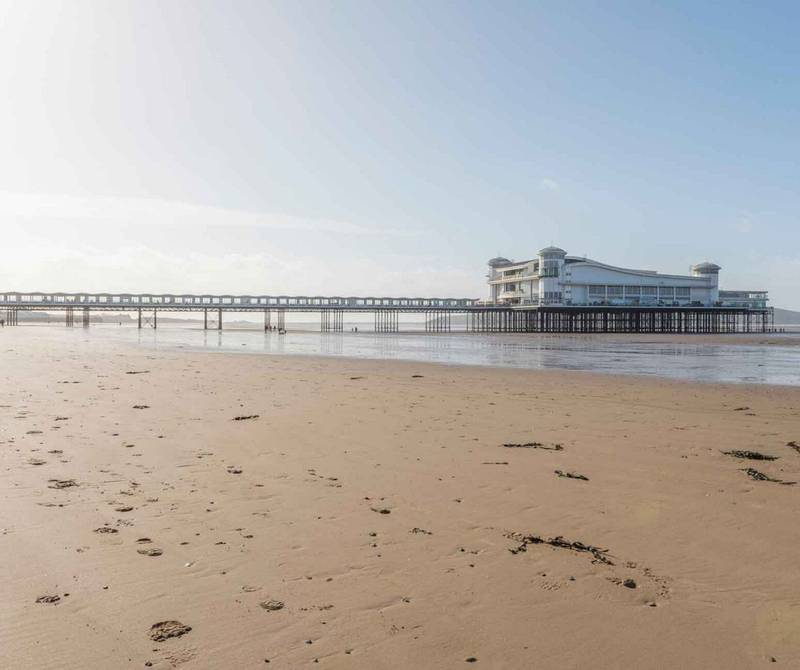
{"x": 387, "y": 312}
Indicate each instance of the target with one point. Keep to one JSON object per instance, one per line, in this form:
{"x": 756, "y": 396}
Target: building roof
{"x": 498, "y": 261}
{"x": 552, "y": 250}
{"x": 706, "y": 267}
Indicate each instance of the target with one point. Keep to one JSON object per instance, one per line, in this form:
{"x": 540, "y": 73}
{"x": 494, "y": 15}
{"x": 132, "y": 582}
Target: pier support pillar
{"x": 69, "y": 317}
{"x": 331, "y": 320}
{"x": 267, "y": 319}
{"x": 140, "y": 318}
{"x": 205, "y": 319}
{"x": 387, "y": 320}
{"x": 86, "y": 317}
{"x": 155, "y": 319}
{"x": 437, "y": 321}
{"x": 219, "y": 319}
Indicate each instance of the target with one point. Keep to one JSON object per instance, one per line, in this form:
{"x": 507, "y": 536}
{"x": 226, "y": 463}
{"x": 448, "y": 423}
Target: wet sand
{"x": 787, "y": 339}
{"x": 366, "y": 514}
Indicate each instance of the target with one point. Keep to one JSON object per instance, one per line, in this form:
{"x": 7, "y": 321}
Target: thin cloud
{"x": 268, "y": 272}
{"x": 154, "y": 212}
{"x": 548, "y": 184}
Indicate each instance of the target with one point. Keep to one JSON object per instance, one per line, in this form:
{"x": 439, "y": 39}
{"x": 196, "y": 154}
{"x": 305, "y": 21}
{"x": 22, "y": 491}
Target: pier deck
{"x": 387, "y": 312}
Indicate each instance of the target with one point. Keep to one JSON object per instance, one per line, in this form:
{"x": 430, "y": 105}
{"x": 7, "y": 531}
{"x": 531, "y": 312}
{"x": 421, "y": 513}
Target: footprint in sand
{"x": 271, "y": 605}
{"x": 164, "y": 630}
{"x": 61, "y": 483}
{"x": 154, "y": 551}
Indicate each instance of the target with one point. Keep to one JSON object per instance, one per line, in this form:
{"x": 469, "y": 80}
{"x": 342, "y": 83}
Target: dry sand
{"x": 376, "y": 503}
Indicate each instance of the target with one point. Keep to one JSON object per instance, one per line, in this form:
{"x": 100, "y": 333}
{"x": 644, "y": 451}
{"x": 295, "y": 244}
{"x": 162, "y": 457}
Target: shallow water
{"x": 742, "y": 363}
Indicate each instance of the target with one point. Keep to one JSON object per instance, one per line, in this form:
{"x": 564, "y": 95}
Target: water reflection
{"x": 761, "y": 364}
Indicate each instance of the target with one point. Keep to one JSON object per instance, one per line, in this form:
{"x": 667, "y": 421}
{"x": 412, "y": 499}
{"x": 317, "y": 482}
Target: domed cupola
{"x": 552, "y": 252}
{"x": 705, "y": 268}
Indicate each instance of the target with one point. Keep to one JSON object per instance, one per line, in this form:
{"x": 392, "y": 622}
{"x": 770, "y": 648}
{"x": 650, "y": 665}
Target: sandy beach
{"x": 277, "y": 511}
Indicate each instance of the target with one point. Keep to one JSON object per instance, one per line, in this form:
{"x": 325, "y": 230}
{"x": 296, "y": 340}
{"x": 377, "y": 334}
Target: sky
{"x": 392, "y": 148}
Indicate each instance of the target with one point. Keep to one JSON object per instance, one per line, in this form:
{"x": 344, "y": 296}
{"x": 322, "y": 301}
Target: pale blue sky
{"x": 392, "y": 148}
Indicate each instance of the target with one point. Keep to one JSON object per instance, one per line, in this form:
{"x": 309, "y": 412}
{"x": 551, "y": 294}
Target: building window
{"x": 549, "y": 268}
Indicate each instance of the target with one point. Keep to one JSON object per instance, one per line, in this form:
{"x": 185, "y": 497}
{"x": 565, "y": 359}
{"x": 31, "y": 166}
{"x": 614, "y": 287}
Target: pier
{"x": 388, "y": 312}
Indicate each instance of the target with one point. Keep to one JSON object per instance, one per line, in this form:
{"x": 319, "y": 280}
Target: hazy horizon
{"x": 392, "y": 148}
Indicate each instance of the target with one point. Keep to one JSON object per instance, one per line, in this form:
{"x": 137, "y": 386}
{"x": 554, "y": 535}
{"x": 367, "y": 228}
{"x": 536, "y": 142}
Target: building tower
{"x": 710, "y": 272}
{"x": 551, "y": 264}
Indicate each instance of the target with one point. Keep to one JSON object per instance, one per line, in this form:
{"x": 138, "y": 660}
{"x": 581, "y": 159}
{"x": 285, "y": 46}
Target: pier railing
{"x": 437, "y": 312}
{"x": 185, "y": 301}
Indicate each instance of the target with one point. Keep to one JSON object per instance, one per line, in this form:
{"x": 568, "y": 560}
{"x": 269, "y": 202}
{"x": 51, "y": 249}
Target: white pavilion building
{"x": 553, "y": 278}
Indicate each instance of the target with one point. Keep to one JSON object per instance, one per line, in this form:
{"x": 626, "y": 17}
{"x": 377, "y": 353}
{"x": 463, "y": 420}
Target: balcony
{"x": 517, "y": 293}
{"x": 508, "y": 280}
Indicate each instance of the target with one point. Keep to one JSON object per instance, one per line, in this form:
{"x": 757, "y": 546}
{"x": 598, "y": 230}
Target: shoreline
{"x": 789, "y": 338}
{"x": 690, "y": 340}
{"x": 617, "y": 377}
